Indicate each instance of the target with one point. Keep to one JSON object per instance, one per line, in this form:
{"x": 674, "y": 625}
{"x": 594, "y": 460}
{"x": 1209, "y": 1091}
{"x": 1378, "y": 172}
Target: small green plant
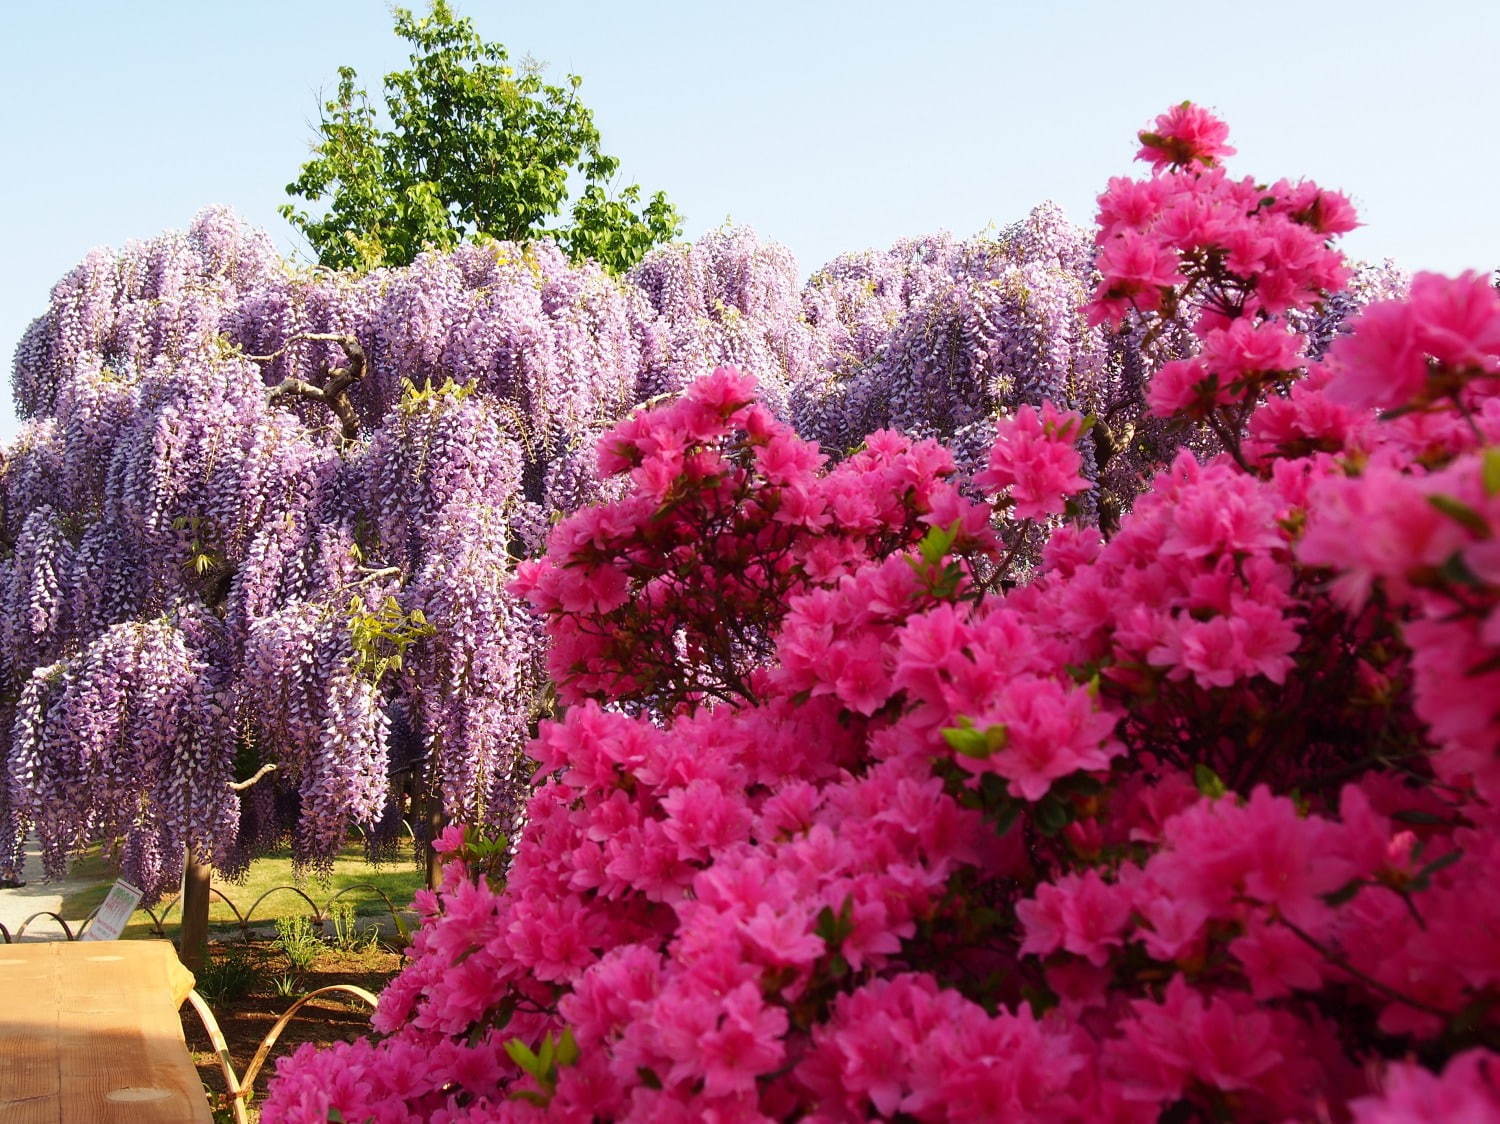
{"x": 346, "y": 933}
{"x": 299, "y": 941}
{"x": 227, "y": 978}
{"x": 287, "y": 985}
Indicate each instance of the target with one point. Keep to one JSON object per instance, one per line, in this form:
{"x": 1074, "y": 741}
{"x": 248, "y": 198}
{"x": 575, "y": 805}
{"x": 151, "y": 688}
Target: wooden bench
{"x": 90, "y": 1034}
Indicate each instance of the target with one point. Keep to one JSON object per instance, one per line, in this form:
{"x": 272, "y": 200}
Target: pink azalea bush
{"x": 841, "y": 823}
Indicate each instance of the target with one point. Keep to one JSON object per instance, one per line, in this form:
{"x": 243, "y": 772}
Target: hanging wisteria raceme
{"x": 128, "y": 739}
{"x": 443, "y": 476}
{"x": 36, "y": 576}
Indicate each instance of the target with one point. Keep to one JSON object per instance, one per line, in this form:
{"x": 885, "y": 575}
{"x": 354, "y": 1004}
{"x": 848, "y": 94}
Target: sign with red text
{"x": 113, "y": 915}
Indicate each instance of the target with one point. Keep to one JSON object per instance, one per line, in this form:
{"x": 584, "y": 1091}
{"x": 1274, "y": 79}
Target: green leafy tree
{"x": 475, "y": 147}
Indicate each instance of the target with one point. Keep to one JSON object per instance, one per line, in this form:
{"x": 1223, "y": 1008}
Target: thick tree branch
{"x": 240, "y": 786}
{"x": 335, "y": 392}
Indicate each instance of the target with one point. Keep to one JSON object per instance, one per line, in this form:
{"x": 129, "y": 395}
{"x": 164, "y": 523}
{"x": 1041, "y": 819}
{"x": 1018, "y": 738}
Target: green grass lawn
{"x": 399, "y": 879}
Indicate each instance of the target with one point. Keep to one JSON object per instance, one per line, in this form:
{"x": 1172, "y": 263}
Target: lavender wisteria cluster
{"x": 936, "y": 336}
{"x": 263, "y": 515}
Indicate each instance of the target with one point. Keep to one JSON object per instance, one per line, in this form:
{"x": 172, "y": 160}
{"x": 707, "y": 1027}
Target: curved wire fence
{"x": 241, "y": 1089}
{"x": 68, "y": 932}
{"x": 242, "y": 918}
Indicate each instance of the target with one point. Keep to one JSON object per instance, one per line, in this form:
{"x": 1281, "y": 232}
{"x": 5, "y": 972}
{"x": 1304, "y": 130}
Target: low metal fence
{"x": 242, "y": 918}
{"x": 241, "y": 1089}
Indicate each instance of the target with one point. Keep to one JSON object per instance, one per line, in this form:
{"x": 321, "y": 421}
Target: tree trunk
{"x": 436, "y": 821}
{"x": 192, "y": 937}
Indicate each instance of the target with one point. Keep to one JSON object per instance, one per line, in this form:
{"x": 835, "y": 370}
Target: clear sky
{"x": 828, "y": 127}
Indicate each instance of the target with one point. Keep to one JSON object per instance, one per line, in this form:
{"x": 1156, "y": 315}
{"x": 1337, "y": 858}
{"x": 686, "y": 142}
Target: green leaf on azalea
{"x": 966, "y": 739}
{"x": 1051, "y": 815}
{"x": 1209, "y": 783}
{"x": 937, "y": 542}
{"x": 567, "y": 1048}
{"x": 1490, "y": 470}
{"x": 826, "y": 925}
{"x": 1455, "y": 569}
{"x": 1424, "y": 876}
{"x": 1461, "y": 513}
{"x": 522, "y": 1055}
{"x": 1417, "y": 816}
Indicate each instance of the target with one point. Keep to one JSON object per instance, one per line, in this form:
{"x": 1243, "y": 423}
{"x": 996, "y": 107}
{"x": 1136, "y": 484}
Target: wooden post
{"x": 192, "y": 937}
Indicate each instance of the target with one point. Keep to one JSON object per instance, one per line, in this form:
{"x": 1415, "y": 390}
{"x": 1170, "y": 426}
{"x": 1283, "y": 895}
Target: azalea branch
{"x": 1231, "y": 440}
{"x": 1338, "y": 960}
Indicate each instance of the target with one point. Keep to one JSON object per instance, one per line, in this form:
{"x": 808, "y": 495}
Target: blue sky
{"x": 828, "y": 127}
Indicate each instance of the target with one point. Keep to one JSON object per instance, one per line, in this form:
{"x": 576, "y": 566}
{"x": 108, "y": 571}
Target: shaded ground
{"x": 247, "y": 1017}
{"x": 36, "y": 896}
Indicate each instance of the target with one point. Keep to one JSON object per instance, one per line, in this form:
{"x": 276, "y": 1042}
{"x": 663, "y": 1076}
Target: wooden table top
{"x": 89, "y": 1034}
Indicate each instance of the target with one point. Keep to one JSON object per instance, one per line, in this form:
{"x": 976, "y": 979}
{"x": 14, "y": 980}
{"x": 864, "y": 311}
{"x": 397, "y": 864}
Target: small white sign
{"x": 114, "y": 914}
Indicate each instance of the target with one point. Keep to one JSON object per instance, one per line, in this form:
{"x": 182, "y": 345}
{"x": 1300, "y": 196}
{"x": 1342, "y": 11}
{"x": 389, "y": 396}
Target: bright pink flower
{"x": 1182, "y": 387}
{"x": 1246, "y": 348}
{"x": 782, "y": 938}
{"x": 703, "y": 818}
{"x": 1137, "y": 266}
{"x": 1081, "y": 914}
{"x": 1378, "y": 526}
{"x": 1127, "y": 204}
{"x": 1276, "y": 961}
{"x": 1221, "y": 1041}
{"x": 1175, "y": 924}
{"x": 1468, "y": 1090}
{"x": 1034, "y": 455}
{"x": 723, "y": 392}
{"x": 1186, "y": 134}
{"x": 1380, "y": 364}
{"x": 745, "y": 1044}
{"x": 1219, "y": 852}
{"x": 1458, "y": 319}
{"x": 1050, "y": 730}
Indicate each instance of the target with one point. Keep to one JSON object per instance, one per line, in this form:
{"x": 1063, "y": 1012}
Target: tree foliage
{"x": 476, "y": 146}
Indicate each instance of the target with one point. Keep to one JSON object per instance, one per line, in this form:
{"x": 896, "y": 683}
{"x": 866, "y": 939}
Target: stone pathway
{"x": 34, "y": 897}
